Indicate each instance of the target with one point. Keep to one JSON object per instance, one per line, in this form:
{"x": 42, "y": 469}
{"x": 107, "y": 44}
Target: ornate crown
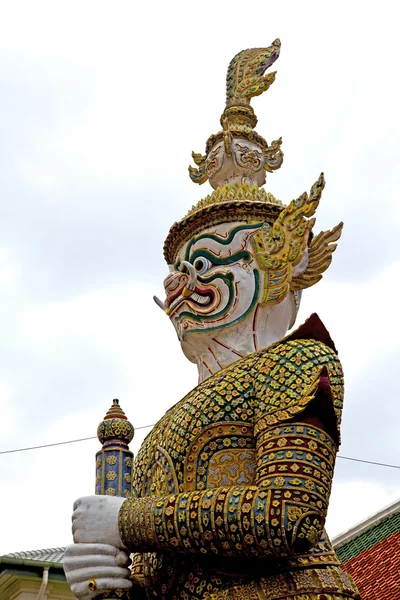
{"x": 241, "y": 200}
{"x": 237, "y": 202}
{"x": 235, "y": 163}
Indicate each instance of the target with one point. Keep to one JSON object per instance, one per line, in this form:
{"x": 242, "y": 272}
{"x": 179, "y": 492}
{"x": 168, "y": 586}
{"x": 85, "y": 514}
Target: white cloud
{"x": 362, "y": 317}
{"x": 353, "y": 502}
{"x": 9, "y": 411}
{"x": 123, "y": 320}
{"x": 10, "y": 272}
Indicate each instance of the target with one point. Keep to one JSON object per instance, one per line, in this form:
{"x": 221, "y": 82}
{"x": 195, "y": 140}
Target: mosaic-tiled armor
{"x": 231, "y": 488}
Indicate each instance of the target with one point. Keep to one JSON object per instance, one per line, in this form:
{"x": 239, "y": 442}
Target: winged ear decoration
{"x": 319, "y": 258}
{"x": 278, "y": 248}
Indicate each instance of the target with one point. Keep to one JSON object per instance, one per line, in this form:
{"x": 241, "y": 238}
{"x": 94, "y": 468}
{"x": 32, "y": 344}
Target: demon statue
{"x": 230, "y": 489}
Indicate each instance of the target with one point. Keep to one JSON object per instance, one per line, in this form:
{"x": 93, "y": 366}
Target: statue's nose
{"x": 175, "y": 280}
{"x": 180, "y": 282}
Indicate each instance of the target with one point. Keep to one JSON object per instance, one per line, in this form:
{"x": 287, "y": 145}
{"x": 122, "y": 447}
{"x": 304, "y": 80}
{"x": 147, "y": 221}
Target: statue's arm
{"x": 281, "y": 515}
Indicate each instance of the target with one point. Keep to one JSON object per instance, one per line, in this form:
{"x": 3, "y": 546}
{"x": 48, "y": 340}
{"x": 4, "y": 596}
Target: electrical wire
{"x": 93, "y": 437}
{"x": 369, "y": 462}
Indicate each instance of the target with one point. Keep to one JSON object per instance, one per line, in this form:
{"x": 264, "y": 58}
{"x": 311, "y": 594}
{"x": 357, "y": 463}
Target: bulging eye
{"x": 201, "y": 265}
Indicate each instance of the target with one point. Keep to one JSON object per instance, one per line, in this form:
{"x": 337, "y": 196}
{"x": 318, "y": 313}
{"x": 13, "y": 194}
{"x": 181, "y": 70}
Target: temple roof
{"x": 24, "y": 573}
{"x": 51, "y": 555}
{"x": 370, "y": 553}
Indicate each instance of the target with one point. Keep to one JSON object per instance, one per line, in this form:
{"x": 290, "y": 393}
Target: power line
{"x": 47, "y": 445}
{"x": 369, "y": 462}
{"x": 93, "y": 437}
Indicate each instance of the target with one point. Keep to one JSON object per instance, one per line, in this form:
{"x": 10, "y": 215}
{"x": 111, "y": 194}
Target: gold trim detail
{"x": 245, "y": 79}
{"x": 208, "y": 434}
{"x": 223, "y": 210}
{"x": 280, "y": 247}
{"x": 234, "y": 193}
{"x": 320, "y": 253}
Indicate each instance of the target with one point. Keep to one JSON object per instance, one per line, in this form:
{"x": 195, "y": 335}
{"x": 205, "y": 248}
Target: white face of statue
{"x": 216, "y": 283}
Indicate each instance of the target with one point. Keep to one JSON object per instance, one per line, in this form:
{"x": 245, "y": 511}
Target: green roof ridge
{"x": 369, "y": 538}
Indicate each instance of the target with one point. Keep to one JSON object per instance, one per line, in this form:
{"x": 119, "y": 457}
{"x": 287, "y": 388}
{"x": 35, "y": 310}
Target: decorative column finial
{"x": 114, "y": 460}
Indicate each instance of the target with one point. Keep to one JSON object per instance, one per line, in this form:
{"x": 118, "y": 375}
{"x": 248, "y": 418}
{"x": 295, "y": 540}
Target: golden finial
{"x": 115, "y": 426}
{"x": 115, "y": 412}
{"x": 245, "y": 79}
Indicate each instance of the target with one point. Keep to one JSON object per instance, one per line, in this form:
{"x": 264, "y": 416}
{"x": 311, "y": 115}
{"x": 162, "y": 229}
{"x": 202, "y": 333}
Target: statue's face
{"x": 216, "y": 282}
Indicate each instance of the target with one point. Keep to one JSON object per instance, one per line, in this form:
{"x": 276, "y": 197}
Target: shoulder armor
{"x": 287, "y": 376}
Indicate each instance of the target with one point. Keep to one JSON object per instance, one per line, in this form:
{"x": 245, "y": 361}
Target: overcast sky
{"x": 101, "y": 105}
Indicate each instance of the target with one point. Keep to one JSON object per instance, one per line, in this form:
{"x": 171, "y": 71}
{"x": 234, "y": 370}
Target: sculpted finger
{"x": 74, "y": 527}
{"x": 78, "y": 522}
{"x": 103, "y": 572}
{"x": 107, "y": 584}
{"x": 122, "y": 559}
{"x": 88, "y": 549}
{"x": 79, "y": 533}
{"x": 78, "y": 502}
{"x": 102, "y": 585}
{"x": 80, "y": 590}
{"x": 72, "y": 563}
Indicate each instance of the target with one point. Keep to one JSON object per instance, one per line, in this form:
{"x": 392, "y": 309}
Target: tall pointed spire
{"x": 114, "y": 460}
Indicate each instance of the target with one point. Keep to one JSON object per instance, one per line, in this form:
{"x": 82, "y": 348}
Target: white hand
{"x": 104, "y": 566}
{"x": 95, "y": 520}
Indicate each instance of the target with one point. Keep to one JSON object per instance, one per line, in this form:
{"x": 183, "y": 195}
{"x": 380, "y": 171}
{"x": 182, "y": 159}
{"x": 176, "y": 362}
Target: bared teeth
{"x": 203, "y": 300}
{"x": 200, "y": 299}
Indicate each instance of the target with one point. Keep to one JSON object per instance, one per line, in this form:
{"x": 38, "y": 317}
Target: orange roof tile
{"x": 376, "y": 570}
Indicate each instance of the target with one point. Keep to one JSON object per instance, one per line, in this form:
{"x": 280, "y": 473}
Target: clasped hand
{"x": 98, "y": 561}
